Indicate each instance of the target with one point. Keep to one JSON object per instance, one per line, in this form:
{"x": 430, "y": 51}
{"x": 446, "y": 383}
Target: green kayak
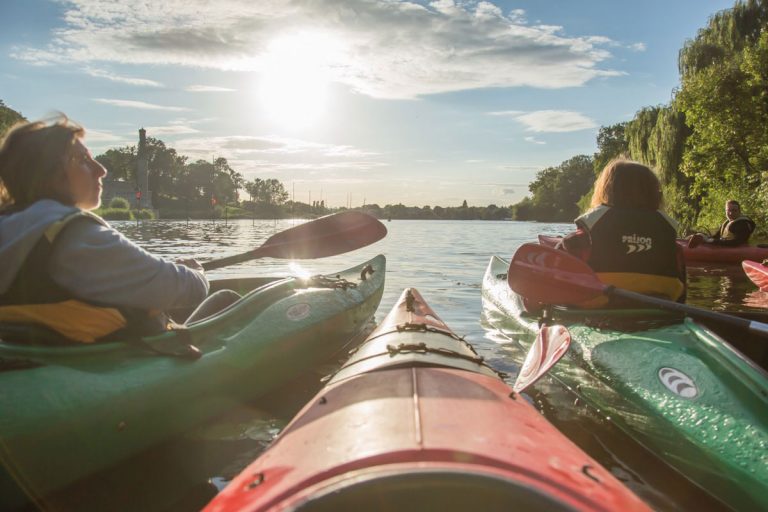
{"x": 67, "y": 411}
{"x": 666, "y": 381}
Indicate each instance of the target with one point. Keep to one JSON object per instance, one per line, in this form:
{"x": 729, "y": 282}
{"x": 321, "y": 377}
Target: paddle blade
{"x": 327, "y": 236}
{"x": 550, "y": 276}
{"x": 757, "y": 273}
{"x": 550, "y": 346}
{"x": 549, "y": 241}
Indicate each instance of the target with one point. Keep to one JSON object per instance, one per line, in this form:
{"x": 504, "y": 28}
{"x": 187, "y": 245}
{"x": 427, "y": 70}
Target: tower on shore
{"x": 142, "y": 172}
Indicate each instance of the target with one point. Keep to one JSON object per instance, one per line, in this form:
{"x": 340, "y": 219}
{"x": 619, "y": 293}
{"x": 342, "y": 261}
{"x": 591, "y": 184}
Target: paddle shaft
{"x": 551, "y": 276}
{"x": 234, "y": 259}
{"x": 751, "y": 325}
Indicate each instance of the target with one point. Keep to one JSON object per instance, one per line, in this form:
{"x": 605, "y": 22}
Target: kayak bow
{"x": 416, "y": 421}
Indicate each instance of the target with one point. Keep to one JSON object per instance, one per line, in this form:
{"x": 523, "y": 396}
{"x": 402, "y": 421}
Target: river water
{"x": 445, "y": 261}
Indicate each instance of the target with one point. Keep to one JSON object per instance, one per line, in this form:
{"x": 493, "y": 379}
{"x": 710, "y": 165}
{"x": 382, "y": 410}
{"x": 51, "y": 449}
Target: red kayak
{"x": 703, "y": 253}
{"x": 757, "y": 273}
{"x": 416, "y": 421}
{"x": 706, "y": 253}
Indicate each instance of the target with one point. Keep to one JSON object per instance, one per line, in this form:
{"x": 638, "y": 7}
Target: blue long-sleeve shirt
{"x": 96, "y": 263}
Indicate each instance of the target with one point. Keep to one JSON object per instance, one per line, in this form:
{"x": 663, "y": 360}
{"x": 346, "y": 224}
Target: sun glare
{"x": 298, "y": 271}
{"x": 295, "y": 78}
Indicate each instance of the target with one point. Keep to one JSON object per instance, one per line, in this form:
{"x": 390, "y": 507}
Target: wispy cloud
{"x": 171, "y": 130}
{"x": 138, "y": 104}
{"x": 276, "y": 155}
{"x": 506, "y": 113}
{"x": 386, "y": 49}
{"x": 143, "y": 82}
{"x": 551, "y": 121}
{"x": 208, "y": 88}
{"x": 102, "y": 136}
{"x": 533, "y": 140}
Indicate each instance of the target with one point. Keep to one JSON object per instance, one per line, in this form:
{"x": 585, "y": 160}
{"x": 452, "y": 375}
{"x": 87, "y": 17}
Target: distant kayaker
{"x": 626, "y": 238}
{"x": 735, "y": 230}
{"x": 65, "y": 268}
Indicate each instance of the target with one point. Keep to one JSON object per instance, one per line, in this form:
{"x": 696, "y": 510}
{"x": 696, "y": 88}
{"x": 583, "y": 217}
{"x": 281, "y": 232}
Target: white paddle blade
{"x": 550, "y": 346}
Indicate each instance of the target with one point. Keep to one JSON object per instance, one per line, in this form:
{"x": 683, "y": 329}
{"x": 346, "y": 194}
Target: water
{"x": 445, "y": 260}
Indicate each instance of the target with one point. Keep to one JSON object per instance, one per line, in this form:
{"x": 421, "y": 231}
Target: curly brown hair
{"x": 627, "y": 184}
{"x": 33, "y": 157}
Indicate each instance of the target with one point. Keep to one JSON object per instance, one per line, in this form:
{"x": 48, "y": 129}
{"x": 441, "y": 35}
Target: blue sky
{"x": 424, "y": 103}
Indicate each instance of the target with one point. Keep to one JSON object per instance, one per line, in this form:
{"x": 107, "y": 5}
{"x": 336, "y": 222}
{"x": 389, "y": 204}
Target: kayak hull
{"x": 706, "y": 253}
{"x": 78, "y": 409}
{"x": 669, "y": 383}
{"x": 426, "y": 426}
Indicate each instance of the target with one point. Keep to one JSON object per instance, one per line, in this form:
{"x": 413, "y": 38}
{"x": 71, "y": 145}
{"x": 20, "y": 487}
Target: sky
{"x": 351, "y": 102}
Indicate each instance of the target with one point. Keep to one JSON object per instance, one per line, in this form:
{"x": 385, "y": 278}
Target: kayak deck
{"x": 670, "y": 383}
{"x": 77, "y": 409}
{"x": 422, "y": 425}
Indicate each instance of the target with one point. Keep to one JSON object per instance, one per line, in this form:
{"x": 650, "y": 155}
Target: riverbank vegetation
{"x": 708, "y": 144}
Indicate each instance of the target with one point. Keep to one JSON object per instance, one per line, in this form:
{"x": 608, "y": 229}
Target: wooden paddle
{"x": 550, "y": 346}
{"x": 550, "y": 276}
{"x": 327, "y": 236}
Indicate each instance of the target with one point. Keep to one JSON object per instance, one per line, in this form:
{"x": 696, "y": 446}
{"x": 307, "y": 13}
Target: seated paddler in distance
{"x": 734, "y": 231}
{"x": 64, "y": 269}
{"x": 626, "y": 238}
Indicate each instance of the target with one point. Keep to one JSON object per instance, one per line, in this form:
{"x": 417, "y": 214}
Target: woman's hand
{"x": 191, "y": 263}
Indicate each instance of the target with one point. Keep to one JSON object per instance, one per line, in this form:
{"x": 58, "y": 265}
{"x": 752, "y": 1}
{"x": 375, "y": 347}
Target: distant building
{"x": 137, "y": 192}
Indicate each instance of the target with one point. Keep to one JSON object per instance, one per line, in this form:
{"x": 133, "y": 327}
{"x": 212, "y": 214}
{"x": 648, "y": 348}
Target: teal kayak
{"x": 68, "y": 411}
{"x": 668, "y": 382}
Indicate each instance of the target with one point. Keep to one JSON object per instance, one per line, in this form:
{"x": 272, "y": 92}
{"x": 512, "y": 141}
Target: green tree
{"x": 724, "y": 97}
{"x": 8, "y": 117}
{"x": 120, "y": 163}
{"x": 611, "y": 143}
{"x": 556, "y": 191}
{"x": 165, "y": 167}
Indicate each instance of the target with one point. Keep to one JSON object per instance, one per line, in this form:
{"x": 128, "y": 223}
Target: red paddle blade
{"x": 327, "y": 236}
{"x": 549, "y": 241}
{"x": 550, "y": 276}
{"x": 757, "y": 273}
{"x": 550, "y": 346}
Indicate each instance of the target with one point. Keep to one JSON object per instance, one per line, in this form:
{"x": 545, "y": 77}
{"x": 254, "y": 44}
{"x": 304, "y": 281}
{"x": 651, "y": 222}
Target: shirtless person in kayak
{"x": 735, "y": 230}
{"x": 65, "y": 268}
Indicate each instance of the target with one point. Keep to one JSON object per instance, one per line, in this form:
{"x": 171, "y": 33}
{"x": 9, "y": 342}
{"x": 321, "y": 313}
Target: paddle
{"x": 550, "y": 276}
{"x": 757, "y": 273}
{"x": 327, "y": 236}
{"x": 550, "y": 346}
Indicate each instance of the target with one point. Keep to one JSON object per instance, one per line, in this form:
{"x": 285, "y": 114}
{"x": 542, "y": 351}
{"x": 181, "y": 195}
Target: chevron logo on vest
{"x": 637, "y": 243}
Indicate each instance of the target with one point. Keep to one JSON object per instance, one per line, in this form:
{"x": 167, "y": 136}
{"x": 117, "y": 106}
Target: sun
{"x": 295, "y": 78}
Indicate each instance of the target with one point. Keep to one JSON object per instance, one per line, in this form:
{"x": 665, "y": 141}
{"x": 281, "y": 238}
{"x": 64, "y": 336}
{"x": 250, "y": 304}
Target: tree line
{"x": 176, "y": 183}
{"x": 708, "y": 144}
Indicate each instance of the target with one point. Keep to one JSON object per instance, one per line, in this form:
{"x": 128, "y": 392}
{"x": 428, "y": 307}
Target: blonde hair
{"x": 33, "y": 157}
{"x": 627, "y": 184}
